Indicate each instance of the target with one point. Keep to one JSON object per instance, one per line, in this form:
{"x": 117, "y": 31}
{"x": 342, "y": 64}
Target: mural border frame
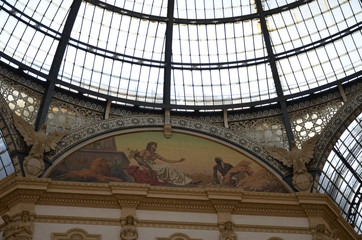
{"x": 112, "y": 127}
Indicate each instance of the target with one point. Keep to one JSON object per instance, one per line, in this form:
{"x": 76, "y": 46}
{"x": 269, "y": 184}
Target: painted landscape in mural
{"x": 183, "y": 160}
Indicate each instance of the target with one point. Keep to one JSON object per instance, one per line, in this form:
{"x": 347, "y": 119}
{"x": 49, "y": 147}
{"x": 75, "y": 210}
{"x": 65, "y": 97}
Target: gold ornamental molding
{"x": 178, "y": 236}
{"x": 17, "y": 191}
{"x": 77, "y": 220}
{"x": 75, "y": 233}
{"x": 46, "y": 191}
{"x": 169, "y": 224}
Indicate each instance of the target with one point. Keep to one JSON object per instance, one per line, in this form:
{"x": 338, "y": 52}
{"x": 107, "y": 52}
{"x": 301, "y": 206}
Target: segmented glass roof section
{"x": 272, "y": 4}
{"x": 317, "y": 43}
{"x": 215, "y": 64}
{"x": 6, "y": 165}
{"x": 219, "y": 51}
{"x": 152, "y": 7}
{"x": 115, "y": 54}
{"x": 342, "y": 174}
{"x": 213, "y": 9}
{"x": 30, "y": 31}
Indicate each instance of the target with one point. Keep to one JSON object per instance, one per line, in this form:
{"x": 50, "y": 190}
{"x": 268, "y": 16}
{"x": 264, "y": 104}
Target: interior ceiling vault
{"x": 195, "y": 57}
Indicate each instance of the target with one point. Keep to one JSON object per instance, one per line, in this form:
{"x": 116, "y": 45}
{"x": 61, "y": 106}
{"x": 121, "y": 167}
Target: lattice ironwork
{"x": 22, "y": 100}
{"x": 267, "y": 131}
{"x": 310, "y": 121}
{"x": 67, "y": 116}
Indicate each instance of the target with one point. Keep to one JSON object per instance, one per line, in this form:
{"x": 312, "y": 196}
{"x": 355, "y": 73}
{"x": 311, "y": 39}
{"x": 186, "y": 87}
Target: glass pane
{"x": 341, "y": 176}
{"x": 191, "y": 9}
{"x": 6, "y": 165}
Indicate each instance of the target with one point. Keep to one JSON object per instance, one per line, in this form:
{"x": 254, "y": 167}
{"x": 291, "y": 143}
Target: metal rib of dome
{"x": 342, "y": 174}
{"x": 186, "y": 54}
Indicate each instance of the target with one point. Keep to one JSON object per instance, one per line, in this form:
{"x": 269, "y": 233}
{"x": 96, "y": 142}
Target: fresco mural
{"x": 183, "y": 160}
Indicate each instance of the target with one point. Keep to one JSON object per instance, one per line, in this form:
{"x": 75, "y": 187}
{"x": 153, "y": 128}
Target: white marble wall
{"x": 77, "y": 211}
{"x": 271, "y": 221}
{"x": 177, "y": 216}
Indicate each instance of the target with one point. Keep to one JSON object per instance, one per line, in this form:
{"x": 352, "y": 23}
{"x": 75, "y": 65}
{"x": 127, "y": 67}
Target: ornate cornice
{"x": 169, "y": 224}
{"x": 111, "y": 195}
{"x": 42, "y": 191}
{"x": 77, "y": 220}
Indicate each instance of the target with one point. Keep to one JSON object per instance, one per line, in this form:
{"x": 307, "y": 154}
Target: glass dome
{"x": 6, "y": 166}
{"x": 185, "y": 54}
{"x": 196, "y": 56}
{"x": 342, "y": 174}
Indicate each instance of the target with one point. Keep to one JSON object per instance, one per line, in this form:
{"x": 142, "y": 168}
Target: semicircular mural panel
{"x": 183, "y": 160}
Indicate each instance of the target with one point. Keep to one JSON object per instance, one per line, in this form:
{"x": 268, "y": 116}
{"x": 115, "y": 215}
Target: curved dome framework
{"x": 186, "y": 55}
{"x": 183, "y": 54}
{"x": 195, "y": 56}
{"x": 341, "y": 176}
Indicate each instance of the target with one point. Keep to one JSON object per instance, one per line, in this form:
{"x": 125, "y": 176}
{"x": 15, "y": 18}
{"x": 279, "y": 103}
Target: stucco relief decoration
{"x": 40, "y": 142}
{"x": 227, "y": 231}
{"x": 75, "y": 234}
{"x": 129, "y": 229}
{"x": 321, "y": 232}
{"x": 297, "y": 159}
{"x": 18, "y": 227}
{"x": 178, "y": 236}
{"x": 184, "y": 160}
